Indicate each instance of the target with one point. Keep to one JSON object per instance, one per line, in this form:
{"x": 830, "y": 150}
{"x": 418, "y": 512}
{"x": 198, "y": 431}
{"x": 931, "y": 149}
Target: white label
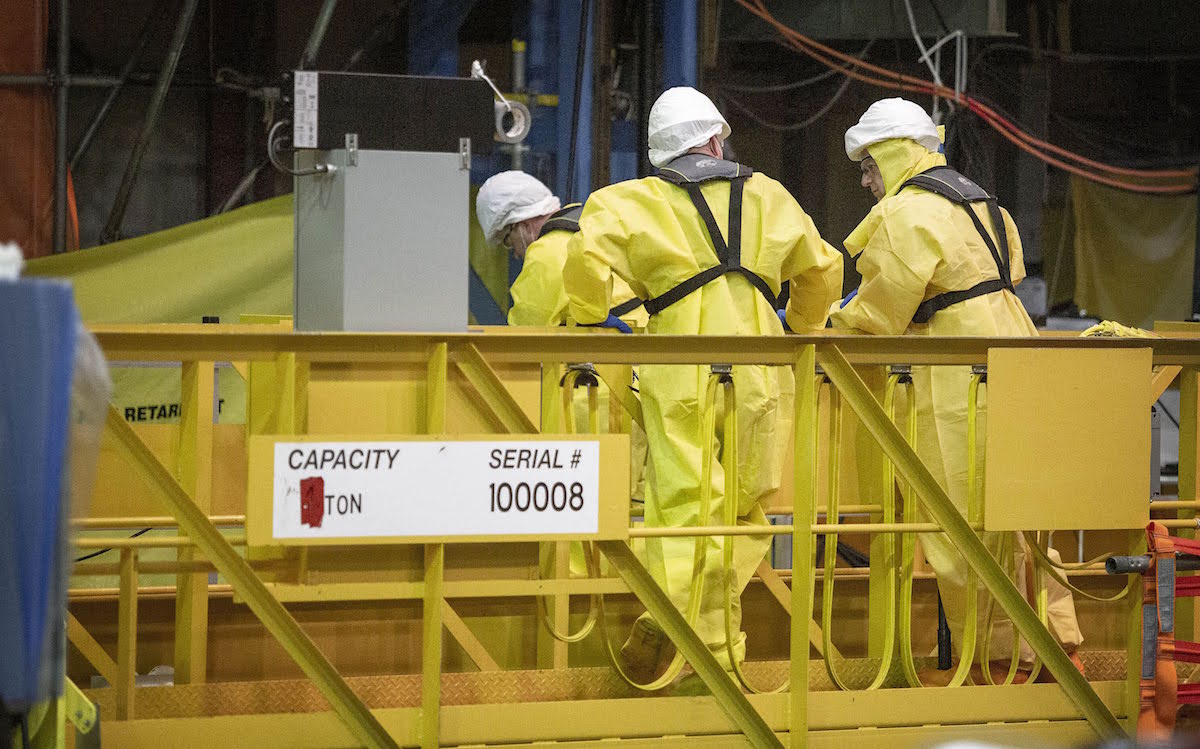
{"x": 304, "y": 107}
{"x": 493, "y": 488}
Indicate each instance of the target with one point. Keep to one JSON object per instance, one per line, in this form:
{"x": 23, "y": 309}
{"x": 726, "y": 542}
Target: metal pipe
{"x": 576, "y": 96}
{"x": 318, "y": 34}
{"x": 152, "y": 521}
{"x": 1170, "y": 504}
{"x": 60, "y": 122}
{"x": 148, "y": 542}
{"x": 646, "y": 79}
{"x": 126, "y": 70}
{"x": 1140, "y": 565}
{"x": 96, "y": 80}
{"x": 602, "y": 76}
{"x": 186, "y": 13}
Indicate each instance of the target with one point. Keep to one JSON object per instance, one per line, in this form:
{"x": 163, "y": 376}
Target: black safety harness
{"x": 567, "y": 219}
{"x": 689, "y": 172}
{"x": 944, "y": 181}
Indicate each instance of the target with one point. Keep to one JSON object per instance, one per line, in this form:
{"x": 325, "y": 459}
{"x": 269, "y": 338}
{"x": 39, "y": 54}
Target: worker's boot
{"x": 643, "y": 653}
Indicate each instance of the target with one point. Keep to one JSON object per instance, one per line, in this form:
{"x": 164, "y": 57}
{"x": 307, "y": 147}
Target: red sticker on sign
{"x": 312, "y": 501}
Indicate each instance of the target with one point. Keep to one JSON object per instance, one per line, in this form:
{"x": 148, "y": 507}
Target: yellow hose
{"x": 729, "y": 458}
{"x": 908, "y": 541}
{"x": 568, "y": 405}
{"x": 692, "y": 614}
{"x": 1053, "y": 568}
{"x": 1007, "y": 558}
{"x": 908, "y": 550}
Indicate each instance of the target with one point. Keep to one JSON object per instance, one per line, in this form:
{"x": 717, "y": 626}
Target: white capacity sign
{"x": 452, "y": 488}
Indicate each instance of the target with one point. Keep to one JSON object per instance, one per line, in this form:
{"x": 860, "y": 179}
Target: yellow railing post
{"x": 195, "y": 476}
{"x": 127, "y": 635}
{"x": 804, "y": 514}
{"x": 1189, "y": 482}
{"x": 431, "y": 645}
{"x": 435, "y": 560}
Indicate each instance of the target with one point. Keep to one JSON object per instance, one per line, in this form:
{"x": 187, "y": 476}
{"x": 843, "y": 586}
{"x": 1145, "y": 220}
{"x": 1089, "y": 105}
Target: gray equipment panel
{"x": 382, "y": 245}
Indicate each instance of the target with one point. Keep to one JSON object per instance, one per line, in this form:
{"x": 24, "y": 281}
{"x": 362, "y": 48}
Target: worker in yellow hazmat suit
{"x": 515, "y": 209}
{"x": 939, "y": 257}
{"x": 708, "y": 243}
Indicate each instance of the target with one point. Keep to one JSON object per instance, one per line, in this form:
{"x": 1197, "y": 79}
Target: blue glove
{"x": 612, "y": 321}
{"x": 783, "y": 318}
{"x": 848, "y": 297}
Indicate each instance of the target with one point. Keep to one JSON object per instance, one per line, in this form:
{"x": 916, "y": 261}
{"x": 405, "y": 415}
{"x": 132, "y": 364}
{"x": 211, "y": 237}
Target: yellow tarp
{"x": 229, "y": 265}
{"x": 236, "y": 264}
{"x": 1134, "y": 254}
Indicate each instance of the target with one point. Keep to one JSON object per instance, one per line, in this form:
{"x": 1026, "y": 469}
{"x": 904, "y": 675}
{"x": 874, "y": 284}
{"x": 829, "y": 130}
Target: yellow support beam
{"x": 466, "y": 639}
{"x": 278, "y": 621}
{"x": 804, "y": 502}
{"x": 783, "y": 594}
{"x": 195, "y": 476}
{"x": 1161, "y": 380}
{"x": 435, "y": 390}
{"x": 938, "y": 506}
{"x": 127, "y": 604}
{"x": 504, "y": 409}
{"x": 728, "y": 695}
{"x": 431, "y": 646}
{"x": 87, "y": 646}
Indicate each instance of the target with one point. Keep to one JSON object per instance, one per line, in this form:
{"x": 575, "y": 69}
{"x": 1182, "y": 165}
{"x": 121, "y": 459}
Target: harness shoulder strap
{"x": 564, "y": 219}
{"x": 949, "y": 184}
{"x": 689, "y": 172}
{"x": 956, "y": 188}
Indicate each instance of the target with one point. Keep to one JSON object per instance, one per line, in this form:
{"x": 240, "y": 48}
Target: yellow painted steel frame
{"x": 806, "y": 718}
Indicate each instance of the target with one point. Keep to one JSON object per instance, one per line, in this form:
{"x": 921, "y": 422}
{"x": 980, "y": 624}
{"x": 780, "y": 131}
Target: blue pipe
{"x": 680, "y": 21}
{"x": 568, "y": 35}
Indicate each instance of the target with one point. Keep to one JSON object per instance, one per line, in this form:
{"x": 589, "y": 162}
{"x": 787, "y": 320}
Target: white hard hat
{"x": 887, "y": 119}
{"x": 682, "y": 119}
{"x": 509, "y": 198}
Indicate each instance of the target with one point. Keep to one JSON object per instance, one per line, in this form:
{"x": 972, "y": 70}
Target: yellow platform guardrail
{"x": 299, "y": 360}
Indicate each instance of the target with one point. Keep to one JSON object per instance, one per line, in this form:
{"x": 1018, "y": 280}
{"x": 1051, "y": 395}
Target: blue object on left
{"x": 848, "y": 297}
{"x": 37, "y": 346}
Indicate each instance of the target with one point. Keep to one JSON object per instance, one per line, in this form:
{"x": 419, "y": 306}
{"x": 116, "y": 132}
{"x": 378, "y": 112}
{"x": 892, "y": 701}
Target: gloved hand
{"x": 614, "y": 322}
{"x": 848, "y": 297}
{"x": 783, "y": 319}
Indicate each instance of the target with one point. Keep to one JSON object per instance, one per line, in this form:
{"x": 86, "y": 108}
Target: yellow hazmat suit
{"x": 538, "y": 294}
{"x": 649, "y": 233}
{"x": 911, "y": 247}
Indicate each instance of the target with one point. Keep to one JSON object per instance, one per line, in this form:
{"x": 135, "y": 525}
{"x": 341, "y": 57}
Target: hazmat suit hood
{"x": 899, "y": 160}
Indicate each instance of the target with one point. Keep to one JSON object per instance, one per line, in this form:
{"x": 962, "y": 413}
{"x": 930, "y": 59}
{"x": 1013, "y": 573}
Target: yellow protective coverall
{"x": 539, "y": 299}
{"x": 913, "y": 246}
{"x": 538, "y": 294}
{"x": 648, "y": 233}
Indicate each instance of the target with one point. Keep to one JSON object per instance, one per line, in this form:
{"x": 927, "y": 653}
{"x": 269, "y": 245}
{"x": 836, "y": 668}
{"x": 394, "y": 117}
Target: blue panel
{"x": 433, "y": 35}
{"x": 481, "y": 303}
{"x": 37, "y": 344}
{"x": 568, "y": 35}
{"x": 542, "y": 77}
{"x": 679, "y": 43}
{"x": 623, "y": 162}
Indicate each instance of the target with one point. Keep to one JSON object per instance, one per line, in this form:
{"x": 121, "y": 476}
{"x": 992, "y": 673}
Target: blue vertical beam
{"x": 680, "y": 20}
{"x": 623, "y": 163}
{"x": 568, "y": 37}
{"x": 541, "y": 34}
{"x": 433, "y": 35}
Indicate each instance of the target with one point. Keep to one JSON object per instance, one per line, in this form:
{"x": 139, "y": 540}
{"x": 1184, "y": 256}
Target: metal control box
{"x": 381, "y": 241}
{"x": 382, "y": 231}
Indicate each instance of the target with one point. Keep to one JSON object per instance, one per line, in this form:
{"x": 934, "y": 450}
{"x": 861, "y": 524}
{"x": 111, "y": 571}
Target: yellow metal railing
{"x": 297, "y": 359}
